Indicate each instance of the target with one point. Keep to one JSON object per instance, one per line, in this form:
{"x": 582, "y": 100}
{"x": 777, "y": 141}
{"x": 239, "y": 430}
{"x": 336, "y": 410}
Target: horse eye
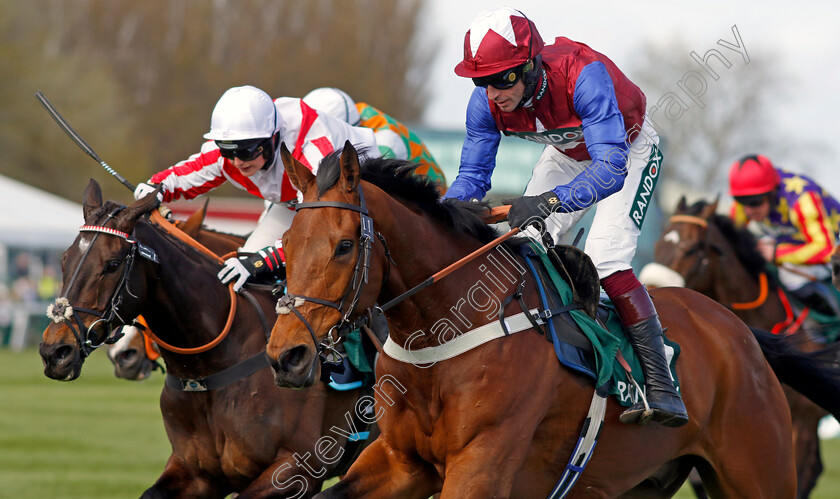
{"x": 112, "y": 266}
{"x": 343, "y": 247}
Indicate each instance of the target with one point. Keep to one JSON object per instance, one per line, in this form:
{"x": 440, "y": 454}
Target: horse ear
{"x": 349, "y": 167}
{"x": 192, "y": 225}
{"x": 300, "y": 176}
{"x": 715, "y": 204}
{"x": 682, "y": 206}
{"x": 92, "y": 200}
{"x": 138, "y": 208}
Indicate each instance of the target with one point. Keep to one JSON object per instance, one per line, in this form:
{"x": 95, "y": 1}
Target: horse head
{"x": 130, "y": 355}
{"x": 334, "y": 269}
{"x": 101, "y": 275}
{"x": 687, "y": 247}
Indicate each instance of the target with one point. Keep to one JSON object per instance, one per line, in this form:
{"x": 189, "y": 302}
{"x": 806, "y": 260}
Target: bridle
{"x": 346, "y": 307}
{"x": 61, "y": 310}
{"x": 702, "y": 262}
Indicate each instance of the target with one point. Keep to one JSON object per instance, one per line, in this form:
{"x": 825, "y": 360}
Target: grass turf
{"x": 103, "y": 437}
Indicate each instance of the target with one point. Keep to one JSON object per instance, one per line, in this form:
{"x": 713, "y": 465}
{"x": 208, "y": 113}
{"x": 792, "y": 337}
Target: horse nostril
{"x": 293, "y": 359}
{"x": 62, "y": 354}
{"x": 127, "y": 356}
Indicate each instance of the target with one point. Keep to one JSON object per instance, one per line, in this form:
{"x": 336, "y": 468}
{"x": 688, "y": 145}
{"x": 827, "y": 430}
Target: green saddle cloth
{"x": 607, "y": 342}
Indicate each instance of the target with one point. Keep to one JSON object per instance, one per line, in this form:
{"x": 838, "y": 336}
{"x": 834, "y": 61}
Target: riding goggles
{"x": 751, "y": 201}
{"x": 246, "y": 150}
{"x": 500, "y": 81}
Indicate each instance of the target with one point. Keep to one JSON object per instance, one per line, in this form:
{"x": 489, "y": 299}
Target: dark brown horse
{"x": 134, "y": 355}
{"x": 502, "y": 419}
{"x": 243, "y": 435}
{"x": 720, "y": 261}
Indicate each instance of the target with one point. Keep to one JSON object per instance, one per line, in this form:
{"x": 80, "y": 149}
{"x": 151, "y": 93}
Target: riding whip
{"x": 79, "y": 141}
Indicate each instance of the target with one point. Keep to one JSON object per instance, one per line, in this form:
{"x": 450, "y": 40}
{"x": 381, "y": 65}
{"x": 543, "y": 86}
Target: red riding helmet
{"x": 498, "y": 40}
{"x": 752, "y": 175}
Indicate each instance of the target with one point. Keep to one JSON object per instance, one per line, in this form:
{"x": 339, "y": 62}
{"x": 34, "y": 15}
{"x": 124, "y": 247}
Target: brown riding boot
{"x": 636, "y": 311}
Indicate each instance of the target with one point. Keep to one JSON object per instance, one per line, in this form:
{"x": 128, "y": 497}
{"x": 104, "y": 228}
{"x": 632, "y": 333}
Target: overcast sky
{"x": 803, "y": 37}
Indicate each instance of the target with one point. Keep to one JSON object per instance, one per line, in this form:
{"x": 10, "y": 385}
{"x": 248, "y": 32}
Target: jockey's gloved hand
{"x": 269, "y": 260}
{"x": 526, "y": 210}
{"x": 143, "y": 189}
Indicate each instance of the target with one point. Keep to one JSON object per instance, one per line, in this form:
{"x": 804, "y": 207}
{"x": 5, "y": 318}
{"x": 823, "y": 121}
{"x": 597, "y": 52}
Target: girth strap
{"x": 221, "y": 379}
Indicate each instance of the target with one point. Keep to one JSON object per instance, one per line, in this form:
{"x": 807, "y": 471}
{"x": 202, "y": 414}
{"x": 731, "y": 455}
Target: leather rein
{"x": 62, "y": 310}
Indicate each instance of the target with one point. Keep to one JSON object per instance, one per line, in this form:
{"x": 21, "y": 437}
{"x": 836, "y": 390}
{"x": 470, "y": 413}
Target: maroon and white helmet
{"x": 498, "y": 40}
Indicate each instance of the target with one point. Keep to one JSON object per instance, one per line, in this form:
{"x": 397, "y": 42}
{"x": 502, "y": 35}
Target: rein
{"x": 290, "y": 302}
{"x": 62, "y": 310}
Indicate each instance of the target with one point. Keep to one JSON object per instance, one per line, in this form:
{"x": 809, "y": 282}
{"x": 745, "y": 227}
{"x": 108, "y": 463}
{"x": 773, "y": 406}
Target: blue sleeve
{"x": 478, "y": 156}
{"x": 603, "y": 129}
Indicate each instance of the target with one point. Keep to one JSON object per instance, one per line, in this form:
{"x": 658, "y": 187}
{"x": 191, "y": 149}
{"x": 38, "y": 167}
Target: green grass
{"x": 103, "y": 437}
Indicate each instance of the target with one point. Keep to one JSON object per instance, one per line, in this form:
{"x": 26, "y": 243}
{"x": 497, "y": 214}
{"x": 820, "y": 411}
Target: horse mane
{"x": 743, "y": 241}
{"x": 396, "y": 177}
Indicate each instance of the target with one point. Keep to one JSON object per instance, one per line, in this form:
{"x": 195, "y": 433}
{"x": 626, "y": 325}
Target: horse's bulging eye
{"x": 112, "y": 266}
{"x": 343, "y": 247}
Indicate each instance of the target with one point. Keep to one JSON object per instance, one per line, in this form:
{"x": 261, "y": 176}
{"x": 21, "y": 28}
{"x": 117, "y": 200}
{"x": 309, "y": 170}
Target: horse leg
{"x": 383, "y": 472}
{"x": 178, "y": 480}
{"x": 288, "y": 476}
{"x": 805, "y": 417}
{"x": 486, "y": 468}
{"x": 750, "y": 458}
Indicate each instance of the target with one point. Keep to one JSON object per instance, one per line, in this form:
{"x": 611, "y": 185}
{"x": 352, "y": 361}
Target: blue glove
{"x": 526, "y": 210}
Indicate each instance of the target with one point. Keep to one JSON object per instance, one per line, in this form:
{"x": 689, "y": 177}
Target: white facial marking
{"x": 124, "y": 343}
{"x": 672, "y": 237}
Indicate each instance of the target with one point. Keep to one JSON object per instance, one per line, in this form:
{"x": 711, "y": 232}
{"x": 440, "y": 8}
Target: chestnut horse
{"x": 243, "y": 436}
{"x": 134, "y": 355}
{"x": 502, "y": 419}
{"x": 721, "y": 261}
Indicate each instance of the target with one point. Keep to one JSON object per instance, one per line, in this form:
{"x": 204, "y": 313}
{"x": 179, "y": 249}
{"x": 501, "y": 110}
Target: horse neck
{"x": 734, "y": 284}
{"x": 463, "y": 300}
{"x": 187, "y": 306}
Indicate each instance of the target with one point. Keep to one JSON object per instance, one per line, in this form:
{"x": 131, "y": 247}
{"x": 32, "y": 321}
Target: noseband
{"x": 347, "y": 306}
{"x": 62, "y": 310}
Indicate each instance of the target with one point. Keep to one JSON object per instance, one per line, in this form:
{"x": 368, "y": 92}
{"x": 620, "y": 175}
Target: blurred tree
{"x": 731, "y": 118}
{"x": 138, "y": 80}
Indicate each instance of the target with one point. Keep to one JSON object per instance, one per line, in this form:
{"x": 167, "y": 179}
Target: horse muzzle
{"x": 62, "y": 361}
{"x": 297, "y": 367}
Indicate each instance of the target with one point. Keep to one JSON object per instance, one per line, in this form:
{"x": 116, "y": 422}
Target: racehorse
{"x": 715, "y": 258}
{"x": 230, "y": 431}
{"x": 134, "y": 355}
{"x": 501, "y": 419}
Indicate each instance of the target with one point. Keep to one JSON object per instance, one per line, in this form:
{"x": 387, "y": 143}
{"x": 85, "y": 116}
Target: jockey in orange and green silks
{"x": 417, "y": 152}
{"x": 392, "y": 137}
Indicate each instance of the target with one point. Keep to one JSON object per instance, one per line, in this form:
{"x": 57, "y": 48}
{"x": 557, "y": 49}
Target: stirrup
{"x": 640, "y": 412}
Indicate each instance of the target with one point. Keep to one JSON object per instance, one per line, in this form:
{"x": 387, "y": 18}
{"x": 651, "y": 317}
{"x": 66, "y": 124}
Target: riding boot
{"x": 636, "y": 311}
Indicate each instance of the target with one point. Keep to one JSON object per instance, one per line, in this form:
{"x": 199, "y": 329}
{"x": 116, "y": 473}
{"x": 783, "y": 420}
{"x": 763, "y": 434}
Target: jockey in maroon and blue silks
{"x": 796, "y": 221}
{"x": 600, "y": 150}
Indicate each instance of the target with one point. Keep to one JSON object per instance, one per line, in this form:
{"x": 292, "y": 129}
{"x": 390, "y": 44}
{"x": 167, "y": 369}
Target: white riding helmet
{"x": 243, "y": 113}
{"x": 334, "y": 102}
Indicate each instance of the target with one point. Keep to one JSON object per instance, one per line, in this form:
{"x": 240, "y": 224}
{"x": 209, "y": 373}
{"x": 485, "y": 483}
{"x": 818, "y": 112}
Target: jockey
{"x": 243, "y": 147}
{"x": 599, "y": 149}
{"x": 394, "y": 139}
{"x": 797, "y": 222}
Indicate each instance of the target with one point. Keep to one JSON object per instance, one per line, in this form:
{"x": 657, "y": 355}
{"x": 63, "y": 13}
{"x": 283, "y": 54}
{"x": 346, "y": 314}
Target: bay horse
{"x": 243, "y": 436}
{"x": 717, "y": 259}
{"x": 134, "y": 355}
{"x": 502, "y": 419}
